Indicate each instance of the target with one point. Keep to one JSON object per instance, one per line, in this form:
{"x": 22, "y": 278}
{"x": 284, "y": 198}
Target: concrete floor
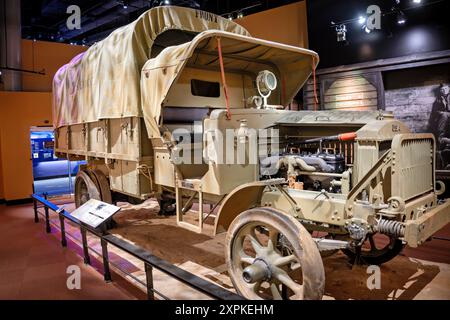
{"x": 405, "y": 277}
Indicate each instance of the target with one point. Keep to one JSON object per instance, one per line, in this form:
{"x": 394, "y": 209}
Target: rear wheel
{"x": 93, "y": 184}
{"x": 167, "y": 205}
{"x": 270, "y": 255}
{"x": 103, "y": 185}
{"x": 85, "y": 189}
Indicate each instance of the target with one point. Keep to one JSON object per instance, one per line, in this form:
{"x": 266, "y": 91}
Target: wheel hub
{"x": 258, "y": 271}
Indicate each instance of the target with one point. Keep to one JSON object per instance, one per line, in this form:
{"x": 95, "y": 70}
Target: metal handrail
{"x": 150, "y": 261}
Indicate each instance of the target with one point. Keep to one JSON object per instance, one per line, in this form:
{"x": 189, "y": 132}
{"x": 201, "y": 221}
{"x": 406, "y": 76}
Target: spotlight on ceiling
{"x": 240, "y": 15}
{"x": 230, "y": 17}
{"x": 361, "y": 20}
{"x": 366, "y": 29}
{"x": 401, "y": 18}
{"x": 125, "y": 5}
{"x": 166, "y": 2}
{"x": 341, "y": 33}
{"x": 417, "y": 1}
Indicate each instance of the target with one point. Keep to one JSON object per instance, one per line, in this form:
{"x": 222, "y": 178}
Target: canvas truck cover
{"x": 104, "y": 81}
{"x": 291, "y": 65}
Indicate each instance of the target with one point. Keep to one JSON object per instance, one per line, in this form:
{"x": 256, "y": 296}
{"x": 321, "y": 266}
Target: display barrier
{"x": 150, "y": 261}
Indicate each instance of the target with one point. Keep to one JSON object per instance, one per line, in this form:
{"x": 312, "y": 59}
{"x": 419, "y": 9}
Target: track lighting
{"x": 401, "y": 18}
{"x": 361, "y": 20}
{"x": 341, "y": 33}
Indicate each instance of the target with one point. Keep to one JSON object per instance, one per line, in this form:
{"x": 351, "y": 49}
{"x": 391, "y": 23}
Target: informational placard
{"x": 95, "y": 212}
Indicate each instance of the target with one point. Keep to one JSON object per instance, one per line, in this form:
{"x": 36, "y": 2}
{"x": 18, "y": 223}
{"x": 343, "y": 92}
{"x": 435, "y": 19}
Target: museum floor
{"x": 33, "y": 264}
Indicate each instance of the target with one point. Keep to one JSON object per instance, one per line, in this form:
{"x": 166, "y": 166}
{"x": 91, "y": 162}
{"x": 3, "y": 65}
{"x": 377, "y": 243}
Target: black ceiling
{"x": 46, "y": 19}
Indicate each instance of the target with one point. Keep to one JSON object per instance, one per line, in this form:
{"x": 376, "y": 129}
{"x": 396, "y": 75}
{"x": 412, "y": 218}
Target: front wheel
{"x": 270, "y": 255}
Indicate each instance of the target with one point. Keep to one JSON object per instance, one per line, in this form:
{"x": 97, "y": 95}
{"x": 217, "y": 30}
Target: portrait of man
{"x": 439, "y": 125}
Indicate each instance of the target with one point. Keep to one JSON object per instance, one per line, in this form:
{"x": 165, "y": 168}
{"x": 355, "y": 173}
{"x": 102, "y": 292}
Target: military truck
{"x": 162, "y": 107}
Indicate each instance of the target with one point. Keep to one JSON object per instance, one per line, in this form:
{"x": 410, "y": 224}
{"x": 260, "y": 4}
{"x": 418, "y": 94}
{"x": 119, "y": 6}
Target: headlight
{"x": 266, "y": 82}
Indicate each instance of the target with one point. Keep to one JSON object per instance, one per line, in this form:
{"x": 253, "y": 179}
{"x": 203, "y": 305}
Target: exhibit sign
{"x": 95, "y": 212}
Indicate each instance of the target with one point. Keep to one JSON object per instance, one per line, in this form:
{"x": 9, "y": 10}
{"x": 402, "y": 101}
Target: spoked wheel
{"x": 270, "y": 255}
{"x": 85, "y": 189}
{"x": 377, "y": 250}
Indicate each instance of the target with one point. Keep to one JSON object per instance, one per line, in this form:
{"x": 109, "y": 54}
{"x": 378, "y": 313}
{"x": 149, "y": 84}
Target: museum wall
{"x": 286, "y": 24}
{"x": 2, "y": 195}
{"x": 426, "y": 29}
{"x": 19, "y": 112}
{"x": 48, "y": 56}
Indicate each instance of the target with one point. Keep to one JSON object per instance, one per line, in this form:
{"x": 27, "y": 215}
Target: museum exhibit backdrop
{"x": 402, "y": 67}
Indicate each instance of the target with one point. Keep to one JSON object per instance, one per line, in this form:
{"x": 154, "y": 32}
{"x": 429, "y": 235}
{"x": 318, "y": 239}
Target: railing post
{"x": 87, "y": 259}
{"x": 36, "y": 216}
{"x": 63, "y": 231}
{"x": 149, "y": 280}
{"x": 47, "y": 217}
{"x": 106, "y": 271}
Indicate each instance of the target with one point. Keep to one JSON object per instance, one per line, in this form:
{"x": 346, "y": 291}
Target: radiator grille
{"x": 413, "y": 167}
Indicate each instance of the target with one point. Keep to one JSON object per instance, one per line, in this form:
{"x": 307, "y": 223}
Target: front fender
{"x": 240, "y": 199}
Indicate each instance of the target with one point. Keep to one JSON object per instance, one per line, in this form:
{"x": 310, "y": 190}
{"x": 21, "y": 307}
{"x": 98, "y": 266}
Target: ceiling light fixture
{"x": 361, "y": 20}
{"x": 341, "y": 33}
{"x": 401, "y": 18}
{"x": 240, "y": 15}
